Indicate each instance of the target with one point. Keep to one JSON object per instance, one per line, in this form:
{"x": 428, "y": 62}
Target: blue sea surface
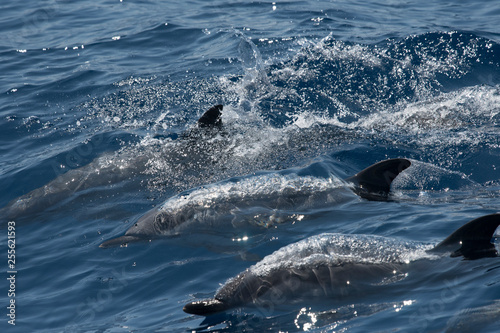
{"x": 342, "y": 84}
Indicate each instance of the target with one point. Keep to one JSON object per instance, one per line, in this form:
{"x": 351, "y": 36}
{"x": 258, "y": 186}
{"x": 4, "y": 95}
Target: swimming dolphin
{"x": 336, "y": 265}
{"x": 105, "y": 170}
{"x": 259, "y": 195}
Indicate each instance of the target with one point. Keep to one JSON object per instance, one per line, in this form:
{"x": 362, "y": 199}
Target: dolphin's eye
{"x": 158, "y": 218}
{"x": 163, "y": 220}
{"x": 136, "y": 224}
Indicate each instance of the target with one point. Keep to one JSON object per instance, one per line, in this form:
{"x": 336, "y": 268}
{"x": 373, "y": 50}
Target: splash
{"x": 465, "y": 116}
{"x": 435, "y": 95}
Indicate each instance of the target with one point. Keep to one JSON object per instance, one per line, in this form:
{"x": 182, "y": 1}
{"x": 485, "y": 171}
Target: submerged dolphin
{"x": 335, "y": 265}
{"x": 105, "y": 171}
{"x": 259, "y": 195}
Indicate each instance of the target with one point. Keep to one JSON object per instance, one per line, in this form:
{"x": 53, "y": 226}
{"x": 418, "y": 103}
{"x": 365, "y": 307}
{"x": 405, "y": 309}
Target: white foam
{"x": 449, "y": 111}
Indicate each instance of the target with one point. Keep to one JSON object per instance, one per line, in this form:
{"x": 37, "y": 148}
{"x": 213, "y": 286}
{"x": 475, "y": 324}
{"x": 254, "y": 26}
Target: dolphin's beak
{"x": 120, "y": 241}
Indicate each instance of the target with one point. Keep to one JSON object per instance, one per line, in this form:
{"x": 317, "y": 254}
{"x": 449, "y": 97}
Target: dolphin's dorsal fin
{"x": 473, "y": 239}
{"x": 212, "y": 117}
{"x": 205, "y": 307}
{"x": 374, "y": 182}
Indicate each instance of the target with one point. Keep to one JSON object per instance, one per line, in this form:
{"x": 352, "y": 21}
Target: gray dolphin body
{"x": 107, "y": 169}
{"x": 335, "y": 265}
{"x": 260, "y": 198}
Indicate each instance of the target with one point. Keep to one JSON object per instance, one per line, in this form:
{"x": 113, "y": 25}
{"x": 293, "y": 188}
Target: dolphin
{"x": 104, "y": 170}
{"x": 262, "y": 197}
{"x": 336, "y": 265}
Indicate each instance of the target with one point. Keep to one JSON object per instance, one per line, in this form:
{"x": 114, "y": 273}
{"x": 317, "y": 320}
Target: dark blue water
{"x": 344, "y": 83}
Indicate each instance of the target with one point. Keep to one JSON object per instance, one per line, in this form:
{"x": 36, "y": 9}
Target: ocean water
{"x": 91, "y": 88}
